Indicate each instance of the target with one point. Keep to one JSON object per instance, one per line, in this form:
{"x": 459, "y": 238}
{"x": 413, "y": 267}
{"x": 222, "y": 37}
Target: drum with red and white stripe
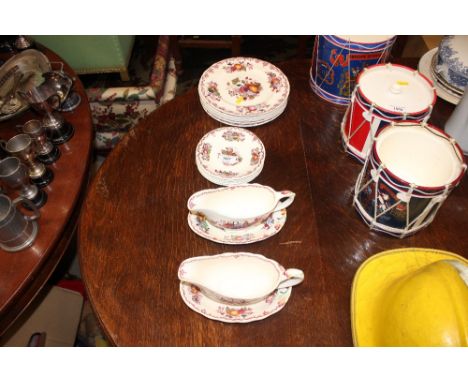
{"x": 383, "y": 94}
{"x": 409, "y": 172}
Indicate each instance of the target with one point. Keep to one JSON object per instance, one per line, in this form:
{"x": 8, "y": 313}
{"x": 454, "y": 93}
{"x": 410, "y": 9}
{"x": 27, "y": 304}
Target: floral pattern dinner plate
{"x": 270, "y": 227}
{"x": 197, "y": 301}
{"x": 244, "y": 87}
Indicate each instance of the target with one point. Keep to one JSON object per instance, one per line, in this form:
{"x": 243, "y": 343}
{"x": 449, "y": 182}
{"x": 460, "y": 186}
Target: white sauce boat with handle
{"x": 237, "y": 278}
{"x": 238, "y": 207}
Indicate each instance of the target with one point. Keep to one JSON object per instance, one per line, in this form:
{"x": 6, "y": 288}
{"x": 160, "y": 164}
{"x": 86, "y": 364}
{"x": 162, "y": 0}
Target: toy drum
{"x": 337, "y": 60}
{"x": 384, "y": 94}
{"x": 408, "y": 174}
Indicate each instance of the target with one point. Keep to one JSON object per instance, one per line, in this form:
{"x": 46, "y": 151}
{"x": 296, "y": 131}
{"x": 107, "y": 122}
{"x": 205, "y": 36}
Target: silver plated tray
{"x": 21, "y": 72}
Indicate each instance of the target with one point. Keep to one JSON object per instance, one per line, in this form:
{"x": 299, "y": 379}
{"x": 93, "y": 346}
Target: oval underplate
{"x": 270, "y": 227}
{"x": 241, "y": 314}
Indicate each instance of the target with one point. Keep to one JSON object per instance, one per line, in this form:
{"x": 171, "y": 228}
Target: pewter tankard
{"x": 17, "y": 231}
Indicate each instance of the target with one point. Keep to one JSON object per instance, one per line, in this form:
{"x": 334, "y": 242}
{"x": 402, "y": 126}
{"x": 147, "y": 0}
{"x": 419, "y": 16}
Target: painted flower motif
{"x": 240, "y": 238}
{"x": 244, "y": 89}
{"x": 270, "y": 297}
{"x": 235, "y": 136}
{"x": 202, "y": 223}
{"x": 196, "y": 294}
{"x": 226, "y": 172}
{"x": 255, "y": 158}
{"x": 261, "y": 108}
{"x": 242, "y": 312}
{"x": 237, "y": 67}
{"x": 213, "y": 91}
{"x": 275, "y": 82}
{"x": 268, "y": 222}
{"x": 206, "y": 151}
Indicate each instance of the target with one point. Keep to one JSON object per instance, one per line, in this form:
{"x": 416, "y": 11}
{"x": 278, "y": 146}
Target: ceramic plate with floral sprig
{"x": 197, "y": 301}
{"x": 229, "y": 154}
{"x": 244, "y": 87}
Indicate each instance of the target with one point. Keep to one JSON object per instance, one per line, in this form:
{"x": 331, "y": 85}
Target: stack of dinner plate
{"x": 438, "y": 75}
{"x": 243, "y": 91}
{"x": 230, "y": 156}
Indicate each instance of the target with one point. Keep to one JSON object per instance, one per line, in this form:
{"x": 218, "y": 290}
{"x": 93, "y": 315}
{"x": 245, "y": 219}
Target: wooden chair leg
{"x": 301, "y": 46}
{"x": 175, "y": 49}
{"x": 124, "y": 76}
{"x": 236, "y": 46}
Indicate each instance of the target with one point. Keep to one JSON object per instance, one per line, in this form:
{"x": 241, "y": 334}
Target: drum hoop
{"x": 323, "y": 94}
{"x": 362, "y": 47}
{"x": 424, "y": 111}
{"x": 436, "y": 131}
{"x": 374, "y": 110}
{"x": 397, "y": 232}
{"x": 394, "y": 116}
{"x": 417, "y": 191}
{"x": 428, "y": 214}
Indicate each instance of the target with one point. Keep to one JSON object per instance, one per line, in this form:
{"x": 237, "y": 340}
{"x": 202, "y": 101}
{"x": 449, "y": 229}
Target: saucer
{"x": 229, "y": 154}
{"x": 270, "y": 227}
{"x": 215, "y": 310}
{"x": 424, "y": 67}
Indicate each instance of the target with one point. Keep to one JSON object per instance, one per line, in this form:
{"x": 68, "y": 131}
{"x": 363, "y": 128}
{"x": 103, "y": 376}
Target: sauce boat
{"x": 240, "y": 206}
{"x": 237, "y": 278}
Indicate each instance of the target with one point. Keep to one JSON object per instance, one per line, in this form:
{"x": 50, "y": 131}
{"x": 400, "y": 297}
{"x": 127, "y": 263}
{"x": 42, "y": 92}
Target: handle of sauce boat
{"x": 288, "y": 197}
{"x": 291, "y": 277}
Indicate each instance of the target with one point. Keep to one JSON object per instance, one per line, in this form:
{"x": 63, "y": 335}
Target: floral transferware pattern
{"x": 206, "y": 151}
{"x": 262, "y": 78}
{"x": 261, "y": 231}
{"x": 452, "y": 60}
{"x": 256, "y": 155}
{"x": 237, "y": 66}
{"x": 243, "y": 89}
{"x": 233, "y": 136}
{"x": 229, "y": 145}
{"x": 197, "y": 301}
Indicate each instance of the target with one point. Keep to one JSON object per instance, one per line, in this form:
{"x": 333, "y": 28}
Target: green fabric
{"x": 91, "y": 53}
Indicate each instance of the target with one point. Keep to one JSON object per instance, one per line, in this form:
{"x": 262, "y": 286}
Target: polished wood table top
{"x": 23, "y": 273}
{"x": 133, "y": 232}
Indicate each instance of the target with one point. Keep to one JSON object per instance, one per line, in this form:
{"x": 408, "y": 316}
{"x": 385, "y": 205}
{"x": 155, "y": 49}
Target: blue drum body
{"x": 336, "y": 63}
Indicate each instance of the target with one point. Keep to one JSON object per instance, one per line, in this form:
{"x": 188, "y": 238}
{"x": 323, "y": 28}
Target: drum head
{"x": 419, "y": 154}
{"x": 361, "y": 39}
{"x": 396, "y": 89}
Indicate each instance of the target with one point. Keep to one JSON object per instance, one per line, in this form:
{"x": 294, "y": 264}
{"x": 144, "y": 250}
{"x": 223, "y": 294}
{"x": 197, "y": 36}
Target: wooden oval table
{"x": 134, "y": 234}
{"x": 24, "y": 273}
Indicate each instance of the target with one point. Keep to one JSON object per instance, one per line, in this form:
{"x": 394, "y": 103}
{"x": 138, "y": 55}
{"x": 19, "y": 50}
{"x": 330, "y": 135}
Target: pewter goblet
{"x": 46, "y": 152}
{"x": 14, "y": 175}
{"x": 40, "y": 98}
{"x": 21, "y": 146}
